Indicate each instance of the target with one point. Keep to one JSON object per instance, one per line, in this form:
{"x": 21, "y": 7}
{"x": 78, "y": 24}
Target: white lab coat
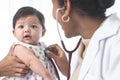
{"x": 102, "y": 59}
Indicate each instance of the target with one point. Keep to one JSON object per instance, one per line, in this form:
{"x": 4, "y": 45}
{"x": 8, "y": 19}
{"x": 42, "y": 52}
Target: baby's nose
{"x": 27, "y": 29}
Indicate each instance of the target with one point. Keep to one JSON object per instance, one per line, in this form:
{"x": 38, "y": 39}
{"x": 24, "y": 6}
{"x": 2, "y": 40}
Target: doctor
{"x": 99, "y": 50}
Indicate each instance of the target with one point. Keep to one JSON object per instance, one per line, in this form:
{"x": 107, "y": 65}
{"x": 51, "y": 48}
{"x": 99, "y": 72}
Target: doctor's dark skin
{"x": 59, "y": 57}
{"x": 86, "y": 17}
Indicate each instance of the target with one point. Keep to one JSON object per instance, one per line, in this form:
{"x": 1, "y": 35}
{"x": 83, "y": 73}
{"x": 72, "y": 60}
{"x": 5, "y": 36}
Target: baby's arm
{"x": 28, "y": 57}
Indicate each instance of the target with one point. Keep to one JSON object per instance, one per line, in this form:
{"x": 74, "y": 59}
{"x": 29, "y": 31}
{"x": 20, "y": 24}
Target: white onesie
{"x": 39, "y": 53}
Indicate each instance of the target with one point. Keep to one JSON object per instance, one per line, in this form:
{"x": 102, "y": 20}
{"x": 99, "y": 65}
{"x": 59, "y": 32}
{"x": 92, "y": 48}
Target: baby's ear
{"x": 43, "y": 32}
{"x": 13, "y": 31}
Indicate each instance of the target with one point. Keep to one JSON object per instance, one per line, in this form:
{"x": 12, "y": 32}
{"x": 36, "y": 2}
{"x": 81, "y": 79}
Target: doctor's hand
{"x": 55, "y": 52}
{"x": 12, "y": 66}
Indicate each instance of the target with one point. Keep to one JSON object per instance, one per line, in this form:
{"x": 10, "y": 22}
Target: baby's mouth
{"x": 28, "y": 37}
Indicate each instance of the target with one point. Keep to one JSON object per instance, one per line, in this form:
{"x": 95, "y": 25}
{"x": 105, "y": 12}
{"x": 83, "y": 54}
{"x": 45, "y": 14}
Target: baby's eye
{"x": 21, "y": 26}
{"x": 34, "y": 26}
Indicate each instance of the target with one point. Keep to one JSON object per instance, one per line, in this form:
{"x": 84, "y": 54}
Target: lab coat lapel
{"x": 109, "y": 30}
{"x": 89, "y": 57}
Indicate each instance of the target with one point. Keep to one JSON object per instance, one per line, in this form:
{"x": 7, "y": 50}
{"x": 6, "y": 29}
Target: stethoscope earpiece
{"x": 59, "y": 9}
{"x": 64, "y": 8}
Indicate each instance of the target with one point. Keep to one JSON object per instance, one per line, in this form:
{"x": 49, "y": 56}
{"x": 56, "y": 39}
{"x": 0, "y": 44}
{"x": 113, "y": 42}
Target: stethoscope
{"x": 63, "y": 45}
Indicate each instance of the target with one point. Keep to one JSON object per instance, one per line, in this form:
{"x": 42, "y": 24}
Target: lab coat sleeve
{"x": 114, "y": 65}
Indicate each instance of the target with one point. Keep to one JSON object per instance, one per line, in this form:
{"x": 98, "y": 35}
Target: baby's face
{"x": 28, "y": 29}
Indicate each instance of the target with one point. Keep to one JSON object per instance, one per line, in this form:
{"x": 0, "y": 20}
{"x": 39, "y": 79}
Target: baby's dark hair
{"x": 93, "y": 8}
{"x": 26, "y": 11}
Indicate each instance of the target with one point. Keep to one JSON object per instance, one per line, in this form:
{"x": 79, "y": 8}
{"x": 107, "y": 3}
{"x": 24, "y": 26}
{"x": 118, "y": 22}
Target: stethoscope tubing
{"x": 63, "y": 45}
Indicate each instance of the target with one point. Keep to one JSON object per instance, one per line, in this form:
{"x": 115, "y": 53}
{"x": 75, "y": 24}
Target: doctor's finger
{"x": 50, "y": 54}
{"x": 56, "y": 49}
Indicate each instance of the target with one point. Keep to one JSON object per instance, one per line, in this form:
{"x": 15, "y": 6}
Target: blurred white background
{"x": 9, "y": 7}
